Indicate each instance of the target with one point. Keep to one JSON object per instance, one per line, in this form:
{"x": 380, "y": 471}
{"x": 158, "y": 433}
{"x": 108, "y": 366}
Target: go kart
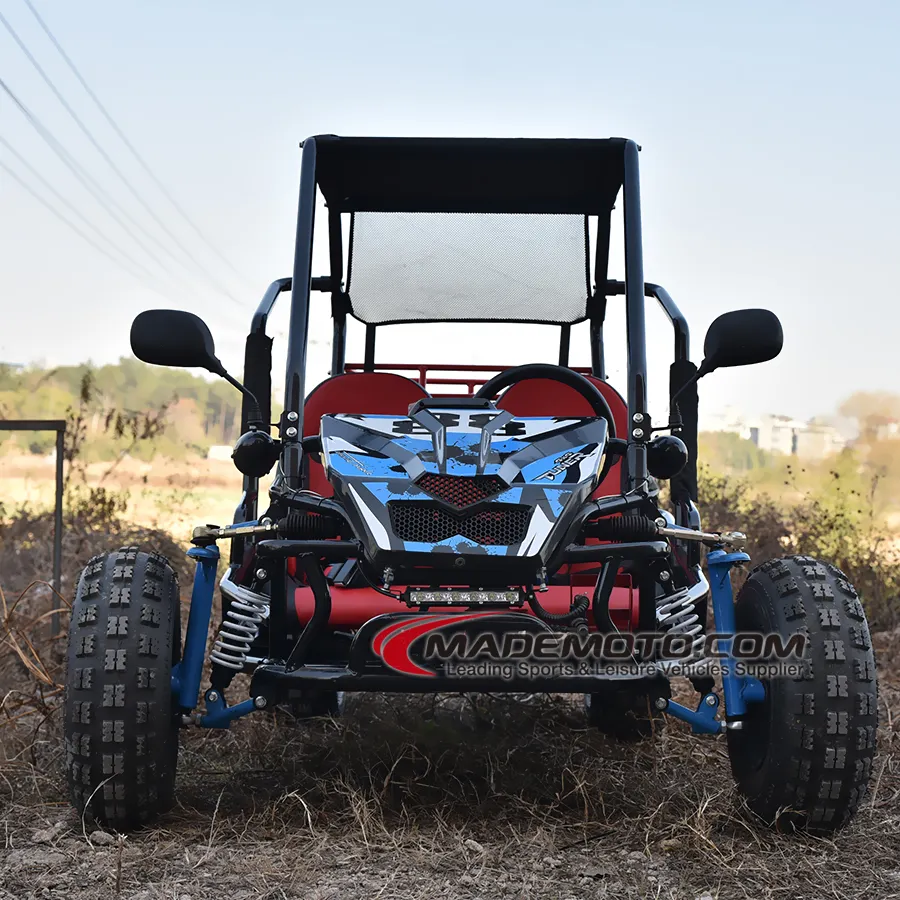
{"x": 471, "y": 527}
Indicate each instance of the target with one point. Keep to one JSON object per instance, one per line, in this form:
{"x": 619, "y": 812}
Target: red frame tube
{"x": 353, "y": 607}
{"x": 427, "y": 378}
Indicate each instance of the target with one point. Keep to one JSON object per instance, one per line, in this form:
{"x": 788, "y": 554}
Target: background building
{"x": 812, "y": 440}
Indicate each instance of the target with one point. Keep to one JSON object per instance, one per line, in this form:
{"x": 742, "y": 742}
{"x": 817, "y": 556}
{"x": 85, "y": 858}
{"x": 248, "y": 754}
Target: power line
{"x": 86, "y": 238}
{"x": 73, "y": 209}
{"x": 114, "y": 125}
{"x": 81, "y": 125}
{"x": 111, "y": 163}
{"x": 87, "y": 181}
{"x": 50, "y": 208}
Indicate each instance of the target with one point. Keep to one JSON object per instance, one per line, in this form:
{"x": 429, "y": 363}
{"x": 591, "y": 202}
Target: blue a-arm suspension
{"x": 188, "y": 672}
{"x": 738, "y": 690}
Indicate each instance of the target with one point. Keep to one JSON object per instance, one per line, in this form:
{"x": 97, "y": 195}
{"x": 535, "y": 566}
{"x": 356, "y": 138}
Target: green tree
{"x": 203, "y": 412}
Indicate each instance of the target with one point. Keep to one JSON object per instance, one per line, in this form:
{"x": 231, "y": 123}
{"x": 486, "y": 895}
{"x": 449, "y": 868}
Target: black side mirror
{"x": 741, "y": 338}
{"x": 171, "y": 337}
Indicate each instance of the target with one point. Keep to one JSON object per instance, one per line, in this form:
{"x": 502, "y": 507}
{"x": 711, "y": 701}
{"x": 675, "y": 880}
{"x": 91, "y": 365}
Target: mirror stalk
{"x": 254, "y": 413}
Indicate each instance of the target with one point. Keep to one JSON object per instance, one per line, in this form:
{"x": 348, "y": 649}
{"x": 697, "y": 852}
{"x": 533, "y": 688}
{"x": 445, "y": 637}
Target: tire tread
{"x": 823, "y": 724}
{"x": 120, "y": 729}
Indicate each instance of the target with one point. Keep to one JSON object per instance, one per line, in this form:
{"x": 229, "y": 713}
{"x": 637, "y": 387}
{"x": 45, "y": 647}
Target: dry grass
{"x": 169, "y": 495}
{"x": 468, "y": 796}
{"x": 452, "y": 796}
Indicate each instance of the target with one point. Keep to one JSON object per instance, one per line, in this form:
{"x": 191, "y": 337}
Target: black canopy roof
{"x": 484, "y": 175}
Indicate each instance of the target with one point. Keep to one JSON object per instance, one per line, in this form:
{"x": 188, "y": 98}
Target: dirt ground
{"x": 438, "y": 797}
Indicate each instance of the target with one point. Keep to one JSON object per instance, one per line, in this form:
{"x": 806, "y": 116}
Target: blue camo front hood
{"x": 464, "y": 481}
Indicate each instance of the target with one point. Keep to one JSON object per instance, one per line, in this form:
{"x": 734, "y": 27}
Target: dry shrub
{"x": 442, "y": 796}
{"x": 31, "y": 661}
{"x": 836, "y": 524}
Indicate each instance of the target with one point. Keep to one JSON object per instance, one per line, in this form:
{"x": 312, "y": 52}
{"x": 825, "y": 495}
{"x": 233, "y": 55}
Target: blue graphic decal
{"x": 456, "y": 544}
{"x": 513, "y": 495}
{"x": 557, "y": 500}
{"x": 547, "y": 466}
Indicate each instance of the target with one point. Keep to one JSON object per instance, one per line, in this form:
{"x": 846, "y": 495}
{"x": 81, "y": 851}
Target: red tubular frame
{"x": 426, "y": 379}
{"x": 353, "y": 607}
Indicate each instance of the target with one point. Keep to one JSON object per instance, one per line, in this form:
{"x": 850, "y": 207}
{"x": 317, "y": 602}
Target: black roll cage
{"x": 258, "y": 358}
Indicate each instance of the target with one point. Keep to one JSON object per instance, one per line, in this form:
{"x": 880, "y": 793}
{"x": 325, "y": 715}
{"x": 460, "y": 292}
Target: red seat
{"x": 372, "y": 393}
{"x": 545, "y": 397}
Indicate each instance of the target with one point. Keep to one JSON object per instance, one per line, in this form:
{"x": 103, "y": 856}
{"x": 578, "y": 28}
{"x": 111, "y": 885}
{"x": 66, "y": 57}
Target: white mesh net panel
{"x": 411, "y": 267}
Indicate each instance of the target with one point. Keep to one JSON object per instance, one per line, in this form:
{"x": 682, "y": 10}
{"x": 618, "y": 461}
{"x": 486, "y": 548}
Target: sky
{"x": 768, "y": 164}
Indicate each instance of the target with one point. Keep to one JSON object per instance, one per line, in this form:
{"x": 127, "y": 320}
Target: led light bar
{"x": 462, "y": 597}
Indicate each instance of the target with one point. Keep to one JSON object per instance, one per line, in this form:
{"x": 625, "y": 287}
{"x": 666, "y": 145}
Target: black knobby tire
{"x": 804, "y": 756}
{"x": 121, "y": 726}
{"x": 626, "y": 714}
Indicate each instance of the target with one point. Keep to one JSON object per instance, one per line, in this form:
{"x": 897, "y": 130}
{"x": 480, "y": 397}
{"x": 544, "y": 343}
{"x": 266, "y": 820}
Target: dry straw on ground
{"x": 462, "y": 796}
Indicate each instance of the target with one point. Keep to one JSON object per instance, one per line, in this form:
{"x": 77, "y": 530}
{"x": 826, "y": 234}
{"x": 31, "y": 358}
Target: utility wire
{"x": 89, "y": 240}
{"x": 121, "y": 175}
{"x": 115, "y": 127}
{"x": 86, "y": 131}
{"x": 71, "y": 207}
{"x": 87, "y": 181}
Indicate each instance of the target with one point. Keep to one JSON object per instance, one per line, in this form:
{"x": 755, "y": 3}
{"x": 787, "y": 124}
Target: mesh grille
{"x": 461, "y": 491}
{"x": 433, "y": 267}
{"x": 501, "y": 525}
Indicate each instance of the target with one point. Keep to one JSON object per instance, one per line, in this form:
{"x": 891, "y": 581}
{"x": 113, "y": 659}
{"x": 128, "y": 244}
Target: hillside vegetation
{"x": 118, "y": 405}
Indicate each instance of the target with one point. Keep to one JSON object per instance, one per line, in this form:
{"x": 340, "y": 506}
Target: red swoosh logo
{"x": 393, "y": 642}
{"x": 389, "y": 630}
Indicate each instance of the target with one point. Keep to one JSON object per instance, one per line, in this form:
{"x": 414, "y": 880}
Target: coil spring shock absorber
{"x": 240, "y": 625}
{"x": 248, "y": 608}
{"x": 676, "y": 614}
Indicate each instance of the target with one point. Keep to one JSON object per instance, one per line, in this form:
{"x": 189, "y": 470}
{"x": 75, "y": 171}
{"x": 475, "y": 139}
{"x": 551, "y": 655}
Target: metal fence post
{"x": 58, "y": 526}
